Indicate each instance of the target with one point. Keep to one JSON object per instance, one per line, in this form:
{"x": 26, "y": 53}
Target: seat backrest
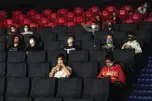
{"x": 16, "y": 57}
{"x": 2, "y": 85}
{"x": 71, "y": 88}
{"x": 2, "y": 56}
{"x": 18, "y": 99}
{"x": 47, "y": 99}
{"x": 2, "y": 69}
{"x": 36, "y": 56}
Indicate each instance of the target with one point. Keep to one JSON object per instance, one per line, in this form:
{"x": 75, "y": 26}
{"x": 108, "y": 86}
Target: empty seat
{"x": 77, "y": 29}
{"x": 71, "y": 88}
{"x": 126, "y": 56}
{"x": 100, "y": 36}
{"x": 18, "y": 99}
{"x": 2, "y": 85}
{"x": 43, "y": 87}
{"x": 63, "y": 36}
{"x": 85, "y": 69}
{"x": 52, "y": 46}
{"x": 16, "y": 57}
{"x": 45, "y": 30}
{"x": 52, "y": 56}
{"x": 17, "y": 87}
{"x": 84, "y": 36}
{"x": 2, "y": 69}
{"x": 78, "y": 56}
{"x": 70, "y": 99}
{"x": 47, "y": 99}
{"x": 96, "y": 89}
{"x": 60, "y": 29}
{"x": 1, "y": 98}
{"x": 45, "y": 37}
{"x": 2, "y": 46}
{"x": 38, "y": 69}
{"x": 145, "y": 26}
{"x": 91, "y": 45}
{"x": 37, "y": 56}
{"x": 143, "y": 35}
{"x": 2, "y": 56}
{"x": 16, "y": 69}
{"x": 128, "y": 27}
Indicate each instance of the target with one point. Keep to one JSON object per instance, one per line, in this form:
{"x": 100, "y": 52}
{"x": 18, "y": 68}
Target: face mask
{"x": 130, "y": 38}
{"x": 60, "y": 61}
{"x": 70, "y": 40}
{"x": 109, "y": 41}
{"x": 25, "y": 29}
{"x": 31, "y": 41}
{"x": 109, "y": 64}
{"x": 109, "y": 28}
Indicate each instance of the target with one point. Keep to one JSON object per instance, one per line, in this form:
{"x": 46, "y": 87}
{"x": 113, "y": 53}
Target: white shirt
{"x": 135, "y": 45}
{"x": 61, "y": 73}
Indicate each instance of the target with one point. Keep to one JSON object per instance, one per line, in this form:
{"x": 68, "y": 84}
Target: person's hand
{"x": 129, "y": 47}
{"x": 62, "y": 65}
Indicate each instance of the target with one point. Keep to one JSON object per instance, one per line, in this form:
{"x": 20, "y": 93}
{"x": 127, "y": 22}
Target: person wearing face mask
{"x": 16, "y": 45}
{"x": 70, "y": 45}
{"x": 26, "y": 30}
{"x": 143, "y": 9}
{"x": 117, "y": 77}
{"x": 132, "y": 43}
{"x": 95, "y": 26}
{"x": 108, "y": 46}
{"x": 13, "y": 30}
{"x": 115, "y": 18}
{"x": 33, "y": 44}
{"x": 110, "y": 27}
{"x": 60, "y": 70}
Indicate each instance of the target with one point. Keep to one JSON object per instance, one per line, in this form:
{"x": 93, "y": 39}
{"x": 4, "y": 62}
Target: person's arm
{"x": 52, "y": 72}
{"x": 124, "y": 46}
{"x": 138, "y": 48}
{"x": 101, "y": 73}
{"x": 67, "y": 70}
{"x": 86, "y": 27}
{"x": 121, "y": 76}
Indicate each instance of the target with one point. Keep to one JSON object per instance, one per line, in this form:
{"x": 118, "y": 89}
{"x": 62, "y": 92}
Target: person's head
{"x": 16, "y": 40}
{"x": 98, "y": 17}
{"x": 32, "y": 40}
{"x": 13, "y": 28}
{"x": 109, "y": 39}
{"x": 114, "y": 14}
{"x": 26, "y": 28}
{"x": 70, "y": 39}
{"x": 60, "y": 59}
{"x": 131, "y": 36}
{"x": 145, "y": 5}
{"x": 109, "y": 60}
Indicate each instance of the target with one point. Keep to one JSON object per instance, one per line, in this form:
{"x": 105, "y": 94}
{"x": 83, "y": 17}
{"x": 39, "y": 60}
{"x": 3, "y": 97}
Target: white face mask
{"x": 31, "y": 41}
{"x": 109, "y": 65}
{"x": 25, "y": 29}
{"x": 70, "y": 40}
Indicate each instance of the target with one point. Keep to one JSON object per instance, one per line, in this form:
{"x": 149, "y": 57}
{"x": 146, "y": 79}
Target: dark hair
{"x": 109, "y": 57}
{"x": 61, "y": 56}
{"x": 12, "y": 26}
{"x": 131, "y": 33}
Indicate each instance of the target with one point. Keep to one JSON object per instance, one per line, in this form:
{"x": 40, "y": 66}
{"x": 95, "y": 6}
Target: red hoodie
{"x": 115, "y": 72}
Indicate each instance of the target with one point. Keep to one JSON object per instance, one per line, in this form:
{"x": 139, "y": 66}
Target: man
{"x": 117, "y": 77}
{"x": 94, "y": 26}
{"x": 143, "y": 9}
{"x": 60, "y": 70}
{"x": 108, "y": 46}
{"x": 70, "y": 45}
{"x": 132, "y": 43}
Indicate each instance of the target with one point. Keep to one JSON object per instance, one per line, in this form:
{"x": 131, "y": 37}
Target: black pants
{"x": 116, "y": 92}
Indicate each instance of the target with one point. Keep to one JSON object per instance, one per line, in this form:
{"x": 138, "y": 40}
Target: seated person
{"x": 13, "y": 30}
{"x": 16, "y": 45}
{"x": 132, "y": 43}
{"x": 60, "y": 70}
{"x": 94, "y": 26}
{"x": 109, "y": 45}
{"x": 143, "y": 9}
{"x": 117, "y": 77}
{"x": 26, "y": 30}
{"x": 70, "y": 45}
{"x": 33, "y": 44}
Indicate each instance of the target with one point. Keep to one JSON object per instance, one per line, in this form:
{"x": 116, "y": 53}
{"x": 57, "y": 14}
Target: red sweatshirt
{"x": 115, "y": 72}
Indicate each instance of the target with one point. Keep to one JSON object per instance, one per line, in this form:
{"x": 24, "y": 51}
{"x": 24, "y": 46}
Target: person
{"x": 143, "y": 9}
{"x": 70, "y": 45}
{"x": 94, "y": 26}
{"x": 60, "y": 70}
{"x": 115, "y": 18}
{"x": 132, "y": 43}
{"x": 110, "y": 27}
{"x": 13, "y": 30}
{"x": 109, "y": 45}
{"x": 16, "y": 45}
{"x": 26, "y": 30}
{"x": 117, "y": 77}
{"x": 33, "y": 44}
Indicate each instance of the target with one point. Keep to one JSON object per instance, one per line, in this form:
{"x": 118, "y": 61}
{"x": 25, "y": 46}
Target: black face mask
{"x": 131, "y": 38}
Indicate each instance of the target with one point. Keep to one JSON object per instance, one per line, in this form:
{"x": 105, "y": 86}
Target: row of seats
{"x": 95, "y": 89}
{"x": 127, "y": 56}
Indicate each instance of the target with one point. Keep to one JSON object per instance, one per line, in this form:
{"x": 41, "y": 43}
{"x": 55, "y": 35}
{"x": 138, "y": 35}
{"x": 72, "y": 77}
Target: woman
{"x": 94, "y": 26}
{"x": 16, "y": 45}
{"x": 26, "y": 30}
{"x": 12, "y": 30}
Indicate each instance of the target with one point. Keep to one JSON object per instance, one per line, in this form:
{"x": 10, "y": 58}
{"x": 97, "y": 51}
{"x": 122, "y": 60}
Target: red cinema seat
{"x": 78, "y": 20}
{"x": 70, "y": 16}
{"x": 111, "y": 9}
{"x": 31, "y": 12}
{"x": 53, "y": 17}
{"x": 36, "y": 17}
{"x": 62, "y": 12}
{"x": 122, "y": 14}
{"x": 46, "y": 12}
{"x": 136, "y": 17}
{"x": 3, "y": 15}
{"x": 94, "y": 10}
{"x": 61, "y": 21}
{"x": 78, "y": 11}
{"x": 70, "y": 23}
{"x": 88, "y": 16}
{"x": 43, "y": 21}
{"x": 128, "y": 21}
{"x": 51, "y": 24}
{"x": 105, "y": 15}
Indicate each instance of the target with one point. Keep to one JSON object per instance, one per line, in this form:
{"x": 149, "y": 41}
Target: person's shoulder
{"x": 117, "y": 66}
{"x": 69, "y": 67}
